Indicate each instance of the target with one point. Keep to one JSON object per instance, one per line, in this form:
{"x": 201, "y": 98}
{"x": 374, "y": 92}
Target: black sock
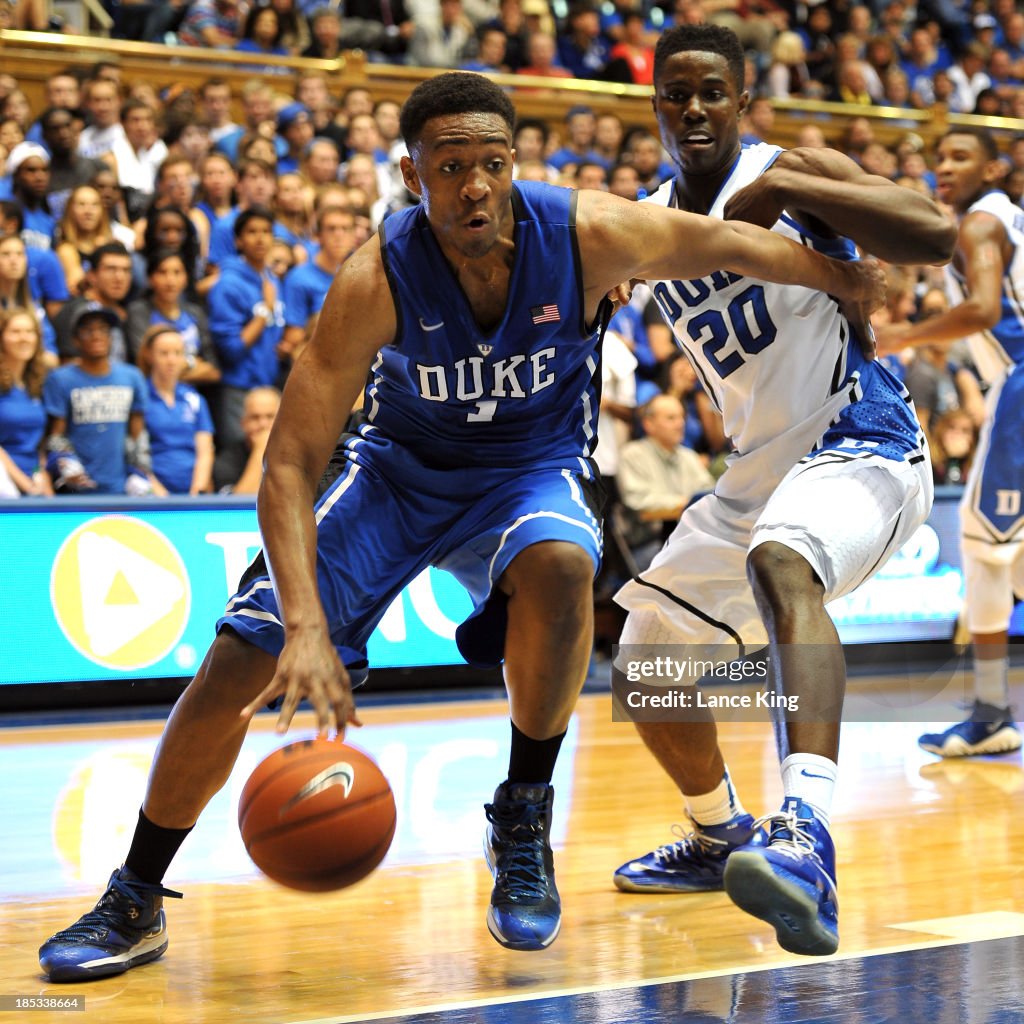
{"x": 532, "y": 760}
{"x": 153, "y": 848}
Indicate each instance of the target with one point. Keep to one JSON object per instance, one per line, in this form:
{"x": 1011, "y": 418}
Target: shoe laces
{"x": 113, "y": 910}
{"x": 785, "y": 829}
{"x": 688, "y": 845}
{"x": 518, "y": 843}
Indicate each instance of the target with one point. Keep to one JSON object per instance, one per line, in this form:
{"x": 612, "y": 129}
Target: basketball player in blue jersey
{"x": 986, "y": 285}
{"x": 476, "y": 316}
{"x": 829, "y": 476}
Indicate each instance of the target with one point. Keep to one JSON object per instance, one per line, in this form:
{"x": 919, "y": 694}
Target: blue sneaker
{"x": 695, "y": 862}
{"x": 988, "y": 730}
{"x": 790, "y": 883}
{"x": 126, "y": 928}
{"x": 525, "y": 911}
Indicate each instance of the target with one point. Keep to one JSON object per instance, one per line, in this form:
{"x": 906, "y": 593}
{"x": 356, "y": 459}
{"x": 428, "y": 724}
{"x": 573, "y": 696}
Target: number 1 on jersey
{"x": 484, "y": 413}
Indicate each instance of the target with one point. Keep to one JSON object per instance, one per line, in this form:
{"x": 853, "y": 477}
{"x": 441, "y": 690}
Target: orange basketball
{"x": 317, "y": 815}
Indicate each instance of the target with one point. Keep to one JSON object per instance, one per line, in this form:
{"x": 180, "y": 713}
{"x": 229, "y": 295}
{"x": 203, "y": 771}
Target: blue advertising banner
{"x": 135, "y": 593}
{"x": 116, "y": 590}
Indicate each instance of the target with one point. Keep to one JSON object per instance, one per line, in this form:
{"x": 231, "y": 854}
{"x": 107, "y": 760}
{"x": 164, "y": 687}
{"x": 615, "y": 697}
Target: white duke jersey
{"x": 1002, "y": 346}
{"x": 775, "y": 359}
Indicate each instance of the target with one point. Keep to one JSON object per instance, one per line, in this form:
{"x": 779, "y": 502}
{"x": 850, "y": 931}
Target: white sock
{"x": 991, "y": 682}
{"x": 812, "y": 779}
{"x": 716, "y": 807}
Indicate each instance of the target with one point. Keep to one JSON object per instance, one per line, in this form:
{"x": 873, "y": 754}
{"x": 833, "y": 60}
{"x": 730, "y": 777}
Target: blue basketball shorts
{"x": 386, "y": 517}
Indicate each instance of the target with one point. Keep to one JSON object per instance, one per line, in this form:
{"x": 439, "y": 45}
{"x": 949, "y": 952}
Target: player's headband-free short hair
{"x": 455, "y": 92}
{"x": 986, "y": 140}
{"x": 707, "y": 39}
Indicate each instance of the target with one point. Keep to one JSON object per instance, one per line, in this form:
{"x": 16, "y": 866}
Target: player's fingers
{"x": 621, "y": 294}
{"x": 288, "y": 708}
{"x": 268, "y": 693}
{"x": 325, "y": 712}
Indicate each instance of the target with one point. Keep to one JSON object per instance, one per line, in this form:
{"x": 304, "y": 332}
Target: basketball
{"x": 317, "y": 815}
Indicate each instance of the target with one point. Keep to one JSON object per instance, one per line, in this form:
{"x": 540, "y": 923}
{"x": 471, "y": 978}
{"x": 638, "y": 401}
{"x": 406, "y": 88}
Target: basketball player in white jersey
{"x": 985, "y": 282}
{"x": 829, "y": 477}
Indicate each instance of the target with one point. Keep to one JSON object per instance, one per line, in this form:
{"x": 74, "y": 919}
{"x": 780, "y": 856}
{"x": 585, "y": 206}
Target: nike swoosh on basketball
{"x": 339, "y": 774}
{"x": 812, "y": 775}
{"x": 430, "y": 327}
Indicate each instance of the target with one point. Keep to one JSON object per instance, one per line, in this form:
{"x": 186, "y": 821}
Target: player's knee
{"x": 233, "y": 672}
{"x": 555, "y": 573}
{"x": 781, "y": 576}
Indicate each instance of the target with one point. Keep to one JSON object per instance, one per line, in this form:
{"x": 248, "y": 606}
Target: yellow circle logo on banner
{"x": 120, "y": 592}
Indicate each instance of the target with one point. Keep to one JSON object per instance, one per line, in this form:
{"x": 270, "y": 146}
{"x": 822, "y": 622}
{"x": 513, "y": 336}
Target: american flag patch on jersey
{"x": 545, "y": 314}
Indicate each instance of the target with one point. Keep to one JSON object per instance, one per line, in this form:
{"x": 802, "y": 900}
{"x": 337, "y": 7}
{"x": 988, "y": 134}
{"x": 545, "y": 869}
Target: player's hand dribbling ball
{"x": 317, "y": 815}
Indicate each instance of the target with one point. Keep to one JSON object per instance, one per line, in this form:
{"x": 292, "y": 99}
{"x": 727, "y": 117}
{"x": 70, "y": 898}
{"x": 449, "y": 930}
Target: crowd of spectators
{"x": 967, "y": 54}
{"x": 161, "y": 265}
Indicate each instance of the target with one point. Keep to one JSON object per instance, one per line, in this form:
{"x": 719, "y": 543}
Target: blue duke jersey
{"x": 524, "y": 392}
{"x": 778, "y": 360}
{"x": 994, "y": 350}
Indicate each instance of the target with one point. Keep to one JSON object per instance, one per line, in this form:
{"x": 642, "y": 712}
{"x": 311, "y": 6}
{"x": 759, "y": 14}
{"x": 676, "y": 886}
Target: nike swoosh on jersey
{"x": 430, "y": 327}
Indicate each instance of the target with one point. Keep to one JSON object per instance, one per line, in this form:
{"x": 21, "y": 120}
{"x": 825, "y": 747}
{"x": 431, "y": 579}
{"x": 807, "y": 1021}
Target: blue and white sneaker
{"x": 525, "y": 911}
{"x": 988, "y": 730}
{"x": 790, "y": 883}
{"x": 125, "y": 929}
{"x": 695, "y": 862}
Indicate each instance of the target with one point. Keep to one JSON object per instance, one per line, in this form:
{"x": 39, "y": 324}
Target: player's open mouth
{"x": 697, "y": 140}
{"x": 477, "y": 223}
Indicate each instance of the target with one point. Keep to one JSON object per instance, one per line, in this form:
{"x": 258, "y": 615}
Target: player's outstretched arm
{"x": 357, "y": 319}
{"x": 981, "y": 243}
{"x": 620, "y": 240}
{"x": 825, "y": 188}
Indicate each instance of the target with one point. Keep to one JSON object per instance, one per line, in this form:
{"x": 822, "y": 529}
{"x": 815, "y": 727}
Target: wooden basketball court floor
{"x": 930, "y": 866}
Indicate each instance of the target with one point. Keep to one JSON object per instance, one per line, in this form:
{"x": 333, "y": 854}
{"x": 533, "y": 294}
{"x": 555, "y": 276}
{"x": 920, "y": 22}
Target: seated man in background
{"x": 658, "y": 476}
{"x": 258, "y": 414}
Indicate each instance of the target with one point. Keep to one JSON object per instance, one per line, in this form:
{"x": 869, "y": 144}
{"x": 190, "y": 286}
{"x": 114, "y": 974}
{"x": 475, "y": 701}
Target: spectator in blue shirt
{"x": 305, "y": 287}
{"x": 46, "y": 280}
{"x": 16, "y": 286}
{"x": 258, "y": 110}
{"x": 246, "y": 321}
{"x": 29, "y": 168}
{"x": 257, "y": 186}
{"x": 262, "y": 34}
{"x": 295, "y": 128}
{"x": 96, "y": 407}
{"x": 177, "y": 417}
{"x": 490, "y": 58}
{"x": 922, "y": 60}
{"x": 581, "y": 127}
{"x": 22, "y": 417}
{"x": 582, "y": 49}
{"x": 165, "y": 303}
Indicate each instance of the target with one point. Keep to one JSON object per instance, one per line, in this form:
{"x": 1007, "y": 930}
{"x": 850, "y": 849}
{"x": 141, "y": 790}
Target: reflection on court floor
{"x": 441, "y": 775}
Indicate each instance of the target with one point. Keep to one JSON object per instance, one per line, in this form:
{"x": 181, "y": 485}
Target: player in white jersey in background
{"x": 986, "y": 284}
{"x": 829, "y": 477}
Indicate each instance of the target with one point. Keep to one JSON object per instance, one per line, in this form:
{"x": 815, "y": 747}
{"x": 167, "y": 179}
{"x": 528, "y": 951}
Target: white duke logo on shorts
{"x": 120, "y": 592}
